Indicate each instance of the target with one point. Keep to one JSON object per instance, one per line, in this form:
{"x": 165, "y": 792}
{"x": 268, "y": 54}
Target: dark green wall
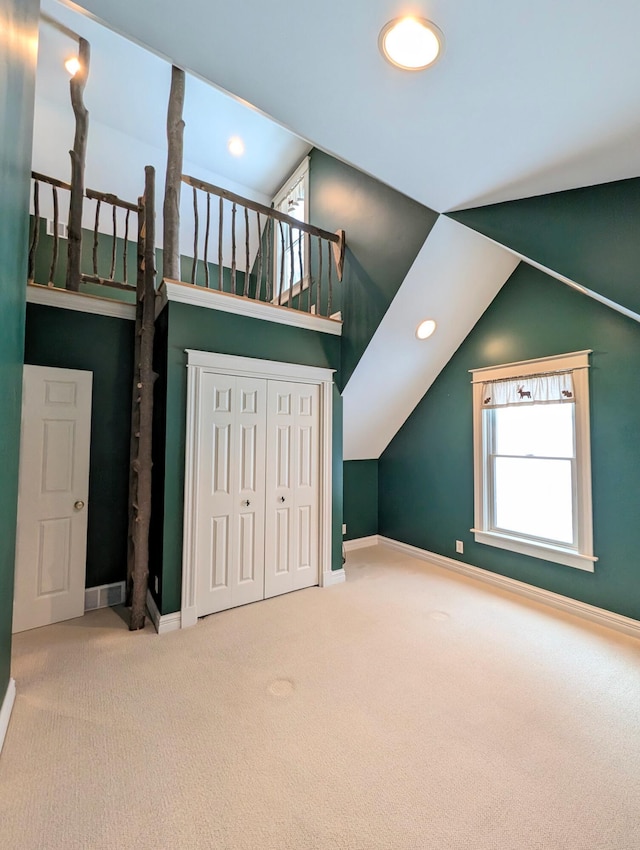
{"x": 384, "y": 230}
{"x": 589, "y": 235}
{"x": 426, "y": 473}
{"x": 226, "y": 333}
{"x": 360, "y": 498}
{"x": 19, "y": 29}
{"x": 103, "y": 345}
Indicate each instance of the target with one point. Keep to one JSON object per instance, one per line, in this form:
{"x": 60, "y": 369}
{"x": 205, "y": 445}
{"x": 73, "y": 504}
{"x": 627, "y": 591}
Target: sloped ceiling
{"x": 526, "y": 99}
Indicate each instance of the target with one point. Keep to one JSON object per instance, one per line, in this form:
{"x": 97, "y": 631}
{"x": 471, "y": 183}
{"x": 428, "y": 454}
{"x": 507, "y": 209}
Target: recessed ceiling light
{"x": 236, "y": 146}
{"x": 72, "y": 64}
{"x": 425, "y": 329}
{"x": 411, "y": 43}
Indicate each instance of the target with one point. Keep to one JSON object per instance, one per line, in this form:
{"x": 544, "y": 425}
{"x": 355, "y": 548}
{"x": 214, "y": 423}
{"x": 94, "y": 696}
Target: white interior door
{"x": 230, "y": 464}
{"x": 52, "y": 499}
{"x": 292, "y": 491}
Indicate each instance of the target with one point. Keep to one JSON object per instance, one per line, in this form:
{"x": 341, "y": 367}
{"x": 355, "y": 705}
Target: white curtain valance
{"x": 534, "y": 389}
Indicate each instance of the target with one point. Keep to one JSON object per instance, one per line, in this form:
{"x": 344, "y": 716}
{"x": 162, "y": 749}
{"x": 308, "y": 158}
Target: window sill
{"x": 557, "y": 554}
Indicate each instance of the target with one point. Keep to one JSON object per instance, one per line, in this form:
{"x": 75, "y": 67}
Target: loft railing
{"x": 109, "y": 261}
{"x": 262, "y": 253}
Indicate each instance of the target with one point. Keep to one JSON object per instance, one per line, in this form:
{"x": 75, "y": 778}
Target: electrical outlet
{"x": 459, "y": 547}
{"x": 344, "y": 527}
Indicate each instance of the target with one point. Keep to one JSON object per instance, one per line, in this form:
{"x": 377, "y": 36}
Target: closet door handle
{"x": 247, "y": 503}
{"x": 282, "y": 498}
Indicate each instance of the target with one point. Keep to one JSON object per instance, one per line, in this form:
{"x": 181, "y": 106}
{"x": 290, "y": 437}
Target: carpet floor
{"x": 407, "y": 708}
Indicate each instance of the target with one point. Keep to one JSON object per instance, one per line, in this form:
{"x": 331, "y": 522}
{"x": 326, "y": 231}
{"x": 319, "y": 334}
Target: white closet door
{"x": 291, "y": 535}
{"x": 51, "y": 549}
{"x": 230, "y": 462}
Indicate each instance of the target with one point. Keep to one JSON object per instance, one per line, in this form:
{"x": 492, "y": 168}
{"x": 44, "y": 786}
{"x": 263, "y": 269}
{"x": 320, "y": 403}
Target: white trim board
{"x": 334, "y": 577}
{"x": 52, "y": 296}
{"x": 361, "y": 543}
{"x": 5, "y": 711}
{"x": 212, "y": 299}
{"x": 163, "y": 622}
{"x": 617, "y": 622}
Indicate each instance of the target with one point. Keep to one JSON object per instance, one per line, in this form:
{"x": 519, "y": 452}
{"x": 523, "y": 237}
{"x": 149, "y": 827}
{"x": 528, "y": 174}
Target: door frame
{"x": 201, "y": 362}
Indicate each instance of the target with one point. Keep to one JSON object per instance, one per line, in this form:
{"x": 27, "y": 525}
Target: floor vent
{"x": 104, "y": 596}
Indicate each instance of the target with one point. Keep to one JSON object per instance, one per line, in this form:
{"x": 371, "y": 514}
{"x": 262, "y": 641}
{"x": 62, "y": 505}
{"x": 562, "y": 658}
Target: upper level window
{"x": 532, "y": 461}
{"x": 291, "y": 245}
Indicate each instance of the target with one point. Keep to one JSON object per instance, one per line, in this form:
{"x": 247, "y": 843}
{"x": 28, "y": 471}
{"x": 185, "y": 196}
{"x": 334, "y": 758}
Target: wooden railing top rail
{"x": 261, "y": 208}
{"x": 42, "y": 178}
{"x": 114, "y": 200}
{"x": 92, "y": 194}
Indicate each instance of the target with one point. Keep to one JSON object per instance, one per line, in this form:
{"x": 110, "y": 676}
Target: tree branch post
{"x": 173, "y": 181}
{"x": 143, "y": 397}
{"x": 78, "y": 158}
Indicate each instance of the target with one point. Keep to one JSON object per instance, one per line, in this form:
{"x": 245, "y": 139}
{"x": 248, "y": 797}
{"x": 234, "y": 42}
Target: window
{"x": 290, "y": 245}
{"x": 532, "y": 464}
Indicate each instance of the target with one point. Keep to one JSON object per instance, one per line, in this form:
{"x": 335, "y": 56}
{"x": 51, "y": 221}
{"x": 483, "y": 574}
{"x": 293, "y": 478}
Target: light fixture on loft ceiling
{"x": 235, "y": 146}
{"x": 72, "y": 64}
{"x": 411, "y": 43}
{"x": 425, "y": 329}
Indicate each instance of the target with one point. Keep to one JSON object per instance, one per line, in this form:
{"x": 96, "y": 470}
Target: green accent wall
{"x": 589, "y": 235}
{"x": 384, "y": 232}
{"x": 426, "y": 473}
{"x": 19, "y": 28}
{"x": 360, "y": 498}
{"x": 227, "y": 333}
{"x": 103, "y": 345}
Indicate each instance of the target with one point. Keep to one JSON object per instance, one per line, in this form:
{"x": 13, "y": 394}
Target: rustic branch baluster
{"x": 233, "y": 248}
{"x": 330, "y": 289}
{"x": 195, "y": 236}
{"x": 35, "y": 238}
{"x": 220, "y": 270}
{"x": 206, "y": 242}
{"x": 269, "y": 280}
{"x": 301, "y": 267}
{"x": 259, "y": 259}
{"x": 281, "y": 287}
{"x": 114, "y": 222}
{"x": 319, "y": 286}
{"x": 247, "y": 272}
{"x": 78, "y": 156}
{"x": 54, "y": 255}
{"x": 291, "y": 268}
{"x": 124, "y": 247}
{"x": 95, "y": 238}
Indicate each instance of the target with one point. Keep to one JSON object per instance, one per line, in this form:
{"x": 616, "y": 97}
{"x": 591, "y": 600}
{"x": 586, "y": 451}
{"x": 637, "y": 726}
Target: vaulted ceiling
{"x": 527, "y": 99}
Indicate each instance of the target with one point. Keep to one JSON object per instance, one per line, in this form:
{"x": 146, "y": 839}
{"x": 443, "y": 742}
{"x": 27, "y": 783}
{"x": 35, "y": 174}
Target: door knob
{"x": 282, "y": 498}
{"x": 78, "y": 505}
{"x": 247, "y": 503}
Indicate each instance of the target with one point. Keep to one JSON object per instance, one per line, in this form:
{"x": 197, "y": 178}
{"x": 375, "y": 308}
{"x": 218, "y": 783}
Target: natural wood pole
{"x": 143, "y": 397}
{"x": 78, "y": 157}
{"x": 171, "y": 209}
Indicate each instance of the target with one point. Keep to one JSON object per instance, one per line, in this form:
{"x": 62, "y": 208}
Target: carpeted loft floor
{"x": 407, "y": 709}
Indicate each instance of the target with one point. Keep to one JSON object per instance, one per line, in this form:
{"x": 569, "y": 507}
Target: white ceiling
{"x": 528, "y": 97}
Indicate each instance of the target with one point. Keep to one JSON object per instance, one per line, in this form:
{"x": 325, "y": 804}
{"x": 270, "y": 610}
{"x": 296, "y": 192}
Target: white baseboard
{"x": 564, "y": 603}
{"x": 104, "y": 595}
{"x": 163, "y": 622}
{"x": 361, "y": 542}
{"x": 5, "y": 711}
{"x": 333, "y": 577}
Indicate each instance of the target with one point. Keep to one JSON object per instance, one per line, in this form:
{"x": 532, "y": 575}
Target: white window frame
{"x": 301, "y": 174}
{"x": 581, "y": 555}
